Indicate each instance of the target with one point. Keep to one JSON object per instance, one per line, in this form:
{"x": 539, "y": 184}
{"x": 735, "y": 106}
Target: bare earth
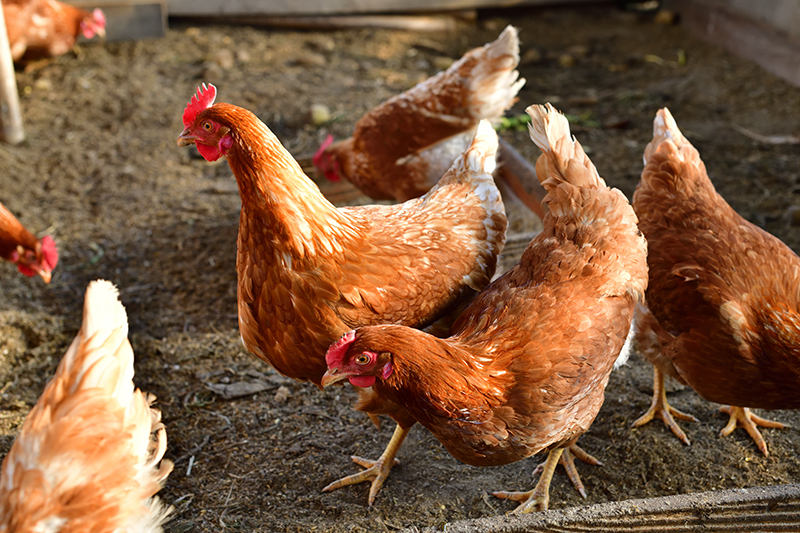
{"x": 100, "y": 170}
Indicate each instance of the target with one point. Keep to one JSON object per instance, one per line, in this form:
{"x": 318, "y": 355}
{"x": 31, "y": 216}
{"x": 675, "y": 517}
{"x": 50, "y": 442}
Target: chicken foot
{"x": 567, "y": 460}
{"x": 377, "y": 471}
{"x": 744, "y": 417}
{"x": 539, "y": 498}
{"x": 662, "y": 409}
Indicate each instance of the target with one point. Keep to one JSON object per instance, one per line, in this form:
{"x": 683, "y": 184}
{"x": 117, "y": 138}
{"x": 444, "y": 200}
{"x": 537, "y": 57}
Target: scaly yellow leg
{"x": 662, "y": 409}
{"x": 742, "y": 416}
{"x": 377, "y": 471}
{"x": 538, "y": 498}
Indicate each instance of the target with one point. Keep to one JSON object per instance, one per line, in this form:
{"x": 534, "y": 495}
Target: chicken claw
{"x": 662, "y": 409}
{"x": 377, "y": 471}
{"x": 537, "y": 499}
{"x": 744, "y": 417}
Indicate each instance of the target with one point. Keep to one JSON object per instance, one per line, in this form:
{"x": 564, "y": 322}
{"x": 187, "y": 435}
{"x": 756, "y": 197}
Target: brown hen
{"x": 18, "y": 245}
{"x": 724, "y": 294}
{"x": 87, "y": 456}
{"x": 308, "y": 272}
{"x": 401, "y": 148}
{"x": 527, "y": 363}
{"x": 47, "y": 28}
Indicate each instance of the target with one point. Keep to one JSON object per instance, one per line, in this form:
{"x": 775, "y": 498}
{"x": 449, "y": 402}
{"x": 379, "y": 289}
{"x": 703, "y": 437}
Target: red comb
{"x": 202, "y": 100}
{"x": 337, "y": 350}
{"x": 49, "y": 252}
{"x": 317, "y": 159}
{"x": 99, "y": 17}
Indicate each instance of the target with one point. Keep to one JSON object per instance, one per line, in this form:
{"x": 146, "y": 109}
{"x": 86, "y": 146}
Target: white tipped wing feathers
{"x": 481, "y": 154}
{"x": 86, "y": 458}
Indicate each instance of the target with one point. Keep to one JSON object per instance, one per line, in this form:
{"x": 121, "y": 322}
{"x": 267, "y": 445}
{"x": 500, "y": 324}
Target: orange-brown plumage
{"x": 308, "y": 271}
{"x": 401, "y": 148}
{"x": 47, "y": 28}
{"x": 18, "y": 245}
{"x": 86, "y": 458}
{"x": 528, "y": 361}
{"x": 724, "y": 293}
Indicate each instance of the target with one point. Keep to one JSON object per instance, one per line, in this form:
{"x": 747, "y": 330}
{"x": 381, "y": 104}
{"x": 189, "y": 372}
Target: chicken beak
{"x": 332, "y": 376}
{"x": 45, "y": 275}
{"x": 186, "y": 138}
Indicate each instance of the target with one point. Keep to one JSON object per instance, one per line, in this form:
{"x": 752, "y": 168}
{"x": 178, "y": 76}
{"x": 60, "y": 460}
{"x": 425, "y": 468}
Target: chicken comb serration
{"x": 336, "y": 351}
{"x": 202, "y": 100}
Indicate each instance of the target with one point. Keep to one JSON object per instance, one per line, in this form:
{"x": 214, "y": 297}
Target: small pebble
{"x": 566, "y": 60}
{"x": 531, "y": 56}
{"x": 320, "y": 114}
{"x": 224, "y": 58}
{"x": 282, "y": 394}
{"x": 442, "y": 62}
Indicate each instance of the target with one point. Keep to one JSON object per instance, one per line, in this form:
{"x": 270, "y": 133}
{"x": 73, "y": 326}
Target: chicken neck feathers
{"x": 86, "y": 457}
{"x": 726, "y": 292}
{"x": 308, "y": 271}
{"x": 12, "y": 234}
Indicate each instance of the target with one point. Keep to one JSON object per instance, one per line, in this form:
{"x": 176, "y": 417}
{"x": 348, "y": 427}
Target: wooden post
{"x": 10, "y": 115}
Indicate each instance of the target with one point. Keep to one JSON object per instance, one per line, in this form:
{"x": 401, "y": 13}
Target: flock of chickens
{"x": 400, "y": 300}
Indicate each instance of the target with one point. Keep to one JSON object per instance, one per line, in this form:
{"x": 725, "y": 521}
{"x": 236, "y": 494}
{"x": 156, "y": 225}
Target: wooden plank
{"x": 758, "y": 41}
{"x": 129, "y": 20}
{"x": 10, "y": 114}
{"x": 759, "y": 509}
{"x": 782, "y": 14}
{"x": 209, "y": 8}
{"x": 422, "y": 23}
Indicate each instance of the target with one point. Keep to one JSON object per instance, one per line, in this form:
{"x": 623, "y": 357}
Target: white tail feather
{"x": 666, "y": 129}
{"x": 495, "y": 83}
{"x": 88, "y": 422}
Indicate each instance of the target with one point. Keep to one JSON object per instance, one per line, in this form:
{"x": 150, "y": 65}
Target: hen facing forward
{"x": 18, "y": 245}
{"x": 724, "y": 294}
{"x": 47, "y": 28}
{"x": 401, "y": 148}
{"x": 86, "y": 458}
{"x": 528, "y": 360}
{"x": 308, "y": 272}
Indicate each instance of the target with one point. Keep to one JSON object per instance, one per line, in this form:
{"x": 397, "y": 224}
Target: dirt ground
{"x": 101, "y": 171}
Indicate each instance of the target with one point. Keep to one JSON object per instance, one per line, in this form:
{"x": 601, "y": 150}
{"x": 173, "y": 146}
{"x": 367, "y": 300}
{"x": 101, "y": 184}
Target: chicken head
{"x": 213, "y": 140}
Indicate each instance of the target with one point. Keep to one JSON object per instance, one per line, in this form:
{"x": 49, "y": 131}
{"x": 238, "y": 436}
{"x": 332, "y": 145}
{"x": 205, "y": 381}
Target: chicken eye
{"x": 362, "y": 359}
{"x": 207, "y": 126}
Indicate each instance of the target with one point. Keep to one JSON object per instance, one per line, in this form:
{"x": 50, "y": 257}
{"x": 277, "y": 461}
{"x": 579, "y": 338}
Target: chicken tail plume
{"x": 564, "y": 160}
{"x": 665, "y": 128}
{"x": 89, "y": 424}
{"x": 494, "y": 83}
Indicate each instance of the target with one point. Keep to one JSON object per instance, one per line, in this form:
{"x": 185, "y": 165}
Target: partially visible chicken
{"x": 18, "y": 245}
{"x": 724, "y": 294}
{"x": 528, "y": 361}
{"x": 401, "y": 148}
{"x": 87, "y": 456}
{"x": 47, "y": 28}
{"x": 308, "y": 272}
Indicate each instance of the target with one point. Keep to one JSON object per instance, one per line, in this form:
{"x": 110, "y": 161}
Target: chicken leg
{"x": 539, "y": 498}
{"x": 377, "y": 471}
{"x": 662, "y": 409}
{"x": 742, "y": 416}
